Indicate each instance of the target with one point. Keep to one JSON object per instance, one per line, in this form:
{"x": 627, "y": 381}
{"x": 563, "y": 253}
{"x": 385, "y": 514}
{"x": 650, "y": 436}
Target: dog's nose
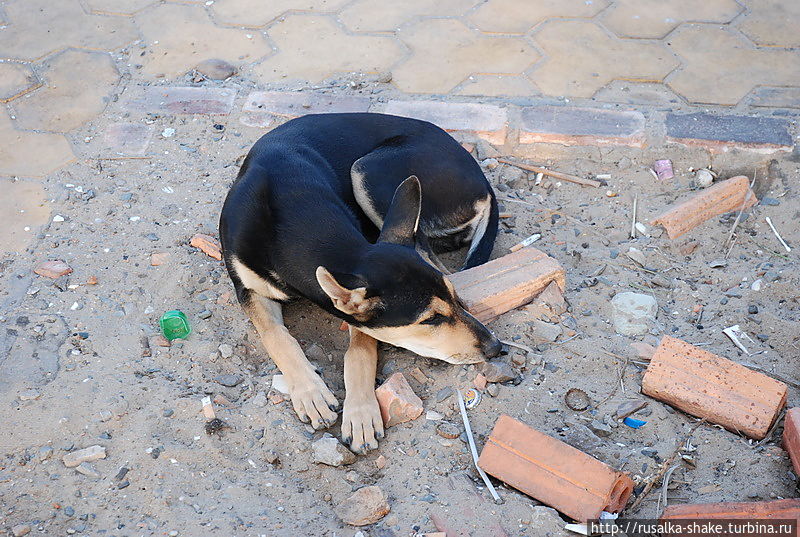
{"x": 492, "y": 348}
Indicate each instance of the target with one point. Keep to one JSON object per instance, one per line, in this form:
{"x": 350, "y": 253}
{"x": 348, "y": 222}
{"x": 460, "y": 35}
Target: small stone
{"x": 772, "y": 276}
{"x": 259, "y": 400}
{"x": 158, "y": 258}
{"x": 733, "y": 293}
{"x": 643, "y": 350}
{"x": 543, "y": 331}
{"x": 228, "y": 380}
{"x": 380, "y": 462}
{"x": 208, "y": 245}
{"x": 69, "y": 511}
{"x": 328, "y": 450}
{"x": 498, "y": 372}
{"x": 493, "y": 389}
{"x": 52, "y": 269}
{"x": 633, "y": 312}
{"x": 216, "y": 69}
{"x": 279, "y": 384}
{"x": 88, "y": 470}
{"x": 89, "y": 454}
{"x": 626, "y": 408}
{"x": 752, "y": 309}
{"x": 398, "y": 401}
{"x": 365, "y": 506}
{"x": 45, "y": 452}
{"x": 205, "y": 314}
{"x": 225, "y": 350}
{"x": 444, "y": 393}
{"x": 770, "y": 201}
{"x": 20, "y": 529}
{"x": 704, "y": 177}
{"x": 479, "y": 381}
{"x": 29, "y": 395}
{"x": 490, "y": 163}
{"x": 168, "y": 412}
{"x": 718, "y": 263}
{"x": 599, "y": 428}
{"x": 432, "y": 415}
{"x": 315, "y": 353}
{"x": 756, "y": 285}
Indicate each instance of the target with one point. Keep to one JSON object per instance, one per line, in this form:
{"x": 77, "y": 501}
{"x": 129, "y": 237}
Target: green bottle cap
{"x": 174, "y": 325}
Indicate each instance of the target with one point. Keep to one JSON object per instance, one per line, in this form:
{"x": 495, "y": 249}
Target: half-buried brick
{"x": 723, "y": 197}
{"x": 398, "y": 401}
{"x": 569, "y": 125}
{"x": 772, "y": 510}
{"x": 52, "y": 269}
{"x": 505, "y": 283}
{"x": 262, "y": 108}
{"x": 485, "y": 121}
{"x": 724, "y": 132}
{"x": 791, "y": 437}
{"x": 553, "y": 472}
{"x": 171, "y": 100}
{"x": 715, "y": 388}
{"x": 208, "y": 244}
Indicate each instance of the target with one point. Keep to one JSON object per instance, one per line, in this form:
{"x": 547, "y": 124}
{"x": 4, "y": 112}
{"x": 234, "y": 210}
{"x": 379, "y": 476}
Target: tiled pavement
{"x": 510, "y": 71}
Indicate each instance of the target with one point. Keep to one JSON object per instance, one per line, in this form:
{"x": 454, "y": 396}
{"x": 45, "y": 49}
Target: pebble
{"x": 45, "y": 452}
{"x": 216, "y": 69}
{"x": 88, "y": 470}
{"x": 69, "y": 511}
{"x": 279, "y": 384}
{"x": 88, "y": 454}
{"x": 20, "y": 529}
{"x": 493, "y": 389}
{"x": 29, "y": 395}
{"x": 490, "y": 163}
{"x": 633, "y": 312}
{"x": 770, "y": 201}
{"x": 328, "y": 450}
{"x": 168, "y": 412}
{"x": 225, "y": 350}
{"x": 756, "y": 285}
{"x": 365, "y": 506}
{"x": 444, "y": 393}
{"x": 205, "y": 314}
{"x": 228, "y": 380}
{"x": 772, "y": 276}
{"x": 752, "y": 309}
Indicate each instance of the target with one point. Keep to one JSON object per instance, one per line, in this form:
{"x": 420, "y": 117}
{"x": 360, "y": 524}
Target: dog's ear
{"x": 402, "y": 219}
{"x": 353, "y": 302}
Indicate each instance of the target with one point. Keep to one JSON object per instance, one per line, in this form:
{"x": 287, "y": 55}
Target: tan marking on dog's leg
{"x": 362, "y": 424}
{"x": 311, "y": 398}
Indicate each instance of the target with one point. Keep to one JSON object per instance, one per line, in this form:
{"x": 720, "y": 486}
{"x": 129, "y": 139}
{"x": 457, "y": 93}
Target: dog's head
{"x": 398, "y": 298}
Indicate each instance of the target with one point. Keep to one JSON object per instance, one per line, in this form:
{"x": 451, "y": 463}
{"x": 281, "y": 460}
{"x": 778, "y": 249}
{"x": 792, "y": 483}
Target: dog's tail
{"x": 483, "y": 239}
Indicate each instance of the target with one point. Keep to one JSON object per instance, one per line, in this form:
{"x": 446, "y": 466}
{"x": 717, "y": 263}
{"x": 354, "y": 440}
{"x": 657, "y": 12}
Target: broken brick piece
{"x": 772, "y": 510}
{"x": 723, "y": 197}
{"x": 505, "y": 283}
{"x": 208, "y": 244}
{"x": 398, "y": 401}
{"x": 553, "y": 472}
{"x": 158, "y": 258}
{"x": 791, "y": 437}
{"x": 52, "y": 269}
{"x": 715, "y": 388}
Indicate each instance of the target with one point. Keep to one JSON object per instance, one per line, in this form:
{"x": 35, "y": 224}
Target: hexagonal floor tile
{"x": 721, "y": 66}
{"x": 515, "y": 16}
{"x": 118, "y": 7}
{"x": 330, "y": 51}
{"x": 77, "y": 86}
{"x": 15, "y": 79}
{"x": 179, "y": 36}
{"x": 497, "y": 86}
{"x": 772, "y": 22}
{"x": 257, "y": 13}
{"x": 445, "y": 52}
{"x": 382, "y": 16}
{"x": 581, "y": 58}
{"x": 24, "y": 209}
{"x": 39, "y": 27}
{"x": 656, "y": 18}
{"x": 30, "y": 154}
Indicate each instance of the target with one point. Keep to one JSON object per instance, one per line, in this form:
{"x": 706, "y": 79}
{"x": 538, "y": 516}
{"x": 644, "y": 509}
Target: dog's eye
{"x": 436, "y": 318}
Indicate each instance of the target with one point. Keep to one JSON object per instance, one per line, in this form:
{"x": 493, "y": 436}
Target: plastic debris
{"x": 633, "y": 423}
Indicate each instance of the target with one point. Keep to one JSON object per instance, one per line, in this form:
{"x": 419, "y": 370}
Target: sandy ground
{"x": 79, "y": 346}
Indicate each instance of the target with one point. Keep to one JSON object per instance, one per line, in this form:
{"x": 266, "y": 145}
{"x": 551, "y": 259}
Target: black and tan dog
{"x": 346, "y": 210}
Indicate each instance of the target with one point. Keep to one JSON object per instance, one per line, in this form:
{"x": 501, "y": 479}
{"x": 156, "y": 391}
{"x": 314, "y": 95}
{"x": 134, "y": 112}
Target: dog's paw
{"x": 362, "y": 425}
{"x": 313, "y": 402}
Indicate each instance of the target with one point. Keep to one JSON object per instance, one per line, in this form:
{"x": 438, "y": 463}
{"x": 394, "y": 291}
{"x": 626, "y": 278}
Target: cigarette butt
{"x": 208, "y": 408}
{"x": 527, "y": 242}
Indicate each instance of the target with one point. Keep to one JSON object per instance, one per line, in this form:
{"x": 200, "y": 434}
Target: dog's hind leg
{"x": 311, "y": 398}
{"x": 362, "y": 424}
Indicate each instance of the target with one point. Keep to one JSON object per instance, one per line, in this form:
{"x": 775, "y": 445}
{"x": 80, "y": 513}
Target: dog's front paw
{"x": 313, "y": 401}
{"x": 362, "y": 424}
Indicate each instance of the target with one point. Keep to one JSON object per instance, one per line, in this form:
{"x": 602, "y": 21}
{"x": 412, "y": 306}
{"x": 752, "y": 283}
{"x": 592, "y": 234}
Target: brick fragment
{"x": 715, "y": 388}
{"x": 569, "y": 125}
{"x": 262, "y": 108}
{"x": 208, "y": 244}
{"x": 158, "y": 258}
{"x": 52, "y": 269}
{"x": 643, "y": 350}
{"x": 89, "y": 454}
{"x": 791, "y": 437}
{"x": 398, "y": 401}
{"x": 491, "y": 289}
{"x": 771, "y": 510}
{"x": 725, "y": 132}
{"x": 722, "y": 197}
{"x": 180, "y": 100}
{"x": 485, "y": 121}
{"x": 365, "y": 506}
{"x": 553, "y": 472}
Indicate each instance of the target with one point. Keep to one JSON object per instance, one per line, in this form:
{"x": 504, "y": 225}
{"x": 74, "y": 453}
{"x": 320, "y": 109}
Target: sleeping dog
{"x": 348, "y": 210}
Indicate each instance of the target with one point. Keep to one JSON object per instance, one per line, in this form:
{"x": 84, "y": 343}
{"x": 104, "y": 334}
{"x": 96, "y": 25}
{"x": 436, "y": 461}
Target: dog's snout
{"x": 492, "y": 348}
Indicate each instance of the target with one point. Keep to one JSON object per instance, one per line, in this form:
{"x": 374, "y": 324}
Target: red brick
{"x": 52, "y": 269}
{"x": 208, "y": 244}
{"x": 398, "y": 401}
{"x": 262, "y": 108}
{"x": 127, "y": 139}
{"x": 711, "y": 387}
{"x": 505, "y": 283}
{"x": 791, "y": 437}
{"x": 173, "y": 100}
{"x": 722, "y": 197}
{"x": 772, "y": 510}
{"x": 485, "y": 121}
{"x": 569, "y": 125}
{"x": 553, "y": 472}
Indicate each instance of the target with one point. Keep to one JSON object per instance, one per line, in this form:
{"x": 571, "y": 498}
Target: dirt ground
{"x": 80, "y": 348}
